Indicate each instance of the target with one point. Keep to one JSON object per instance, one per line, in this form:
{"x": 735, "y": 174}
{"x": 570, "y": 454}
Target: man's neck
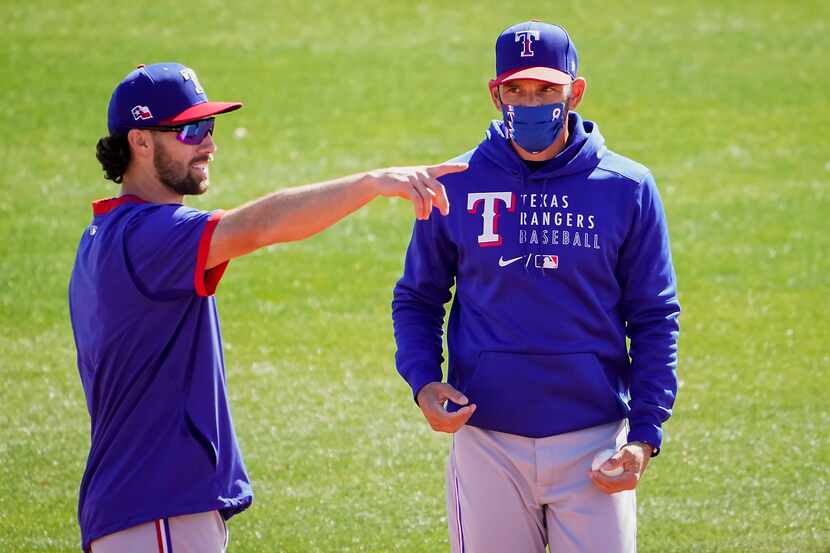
{"x": 148, "y": 187}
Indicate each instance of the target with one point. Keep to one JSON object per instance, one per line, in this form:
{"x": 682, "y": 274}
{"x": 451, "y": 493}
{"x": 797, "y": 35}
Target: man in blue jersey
{"x": 164, "y": 470}
{"x": 560, "y": 253}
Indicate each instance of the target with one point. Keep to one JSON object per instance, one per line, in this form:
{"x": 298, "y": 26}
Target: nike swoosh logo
{"x": 505, "y": 262}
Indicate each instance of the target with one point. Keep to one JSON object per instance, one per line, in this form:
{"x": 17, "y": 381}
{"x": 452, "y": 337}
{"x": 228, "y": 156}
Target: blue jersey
{"x": 553, "y": 269}
{"x": 150, "y": 360}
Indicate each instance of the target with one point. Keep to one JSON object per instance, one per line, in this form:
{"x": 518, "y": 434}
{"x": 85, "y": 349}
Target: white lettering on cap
{"x": 527, "y": 38}
{"x": 190, "y": 75}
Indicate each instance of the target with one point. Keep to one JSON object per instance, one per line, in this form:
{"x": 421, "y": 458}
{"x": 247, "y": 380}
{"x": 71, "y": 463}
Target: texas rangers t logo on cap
{"x": 189, "y": 75}
{"x": 527, "y": 38}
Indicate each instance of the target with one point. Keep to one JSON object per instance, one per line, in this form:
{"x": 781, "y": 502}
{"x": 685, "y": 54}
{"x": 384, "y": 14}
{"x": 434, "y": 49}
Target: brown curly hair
{"x": 113, "y": 152}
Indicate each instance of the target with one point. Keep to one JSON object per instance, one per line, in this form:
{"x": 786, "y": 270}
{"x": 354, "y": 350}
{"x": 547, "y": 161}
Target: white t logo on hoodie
{"x": 490, "y": 237}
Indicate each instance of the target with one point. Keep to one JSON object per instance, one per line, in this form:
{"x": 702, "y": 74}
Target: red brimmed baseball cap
{"x": 535, "y": 50}
{"x": 161, "y": 94}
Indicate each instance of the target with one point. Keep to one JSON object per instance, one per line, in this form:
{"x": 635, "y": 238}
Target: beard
{"x": 177, "y": 176}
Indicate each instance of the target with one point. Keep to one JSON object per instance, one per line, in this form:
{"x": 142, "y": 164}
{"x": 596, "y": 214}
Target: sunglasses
{"x": 191, "y": 133}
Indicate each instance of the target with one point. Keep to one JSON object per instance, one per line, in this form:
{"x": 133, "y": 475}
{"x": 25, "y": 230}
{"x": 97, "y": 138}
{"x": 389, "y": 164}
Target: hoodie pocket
{"x": 541, "y": 395}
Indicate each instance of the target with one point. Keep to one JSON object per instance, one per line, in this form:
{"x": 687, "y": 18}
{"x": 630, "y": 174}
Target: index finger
{"x": 439, "y": 195}
{"x": 450, "y": 422}
{"x": 436, "y": 171}
{"x": 437, "y": 411}
{"x": 464, "y": 413}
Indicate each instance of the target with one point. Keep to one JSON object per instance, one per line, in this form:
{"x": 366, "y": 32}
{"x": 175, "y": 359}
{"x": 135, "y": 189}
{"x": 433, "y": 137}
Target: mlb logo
{"x": 546, "y": 261}
{"x": 141, "y": 113}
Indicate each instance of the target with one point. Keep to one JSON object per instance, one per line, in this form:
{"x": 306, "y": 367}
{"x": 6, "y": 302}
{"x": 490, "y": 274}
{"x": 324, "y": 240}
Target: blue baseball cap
{"x": 161, "y": 94}
{"x": 535, "y": 50}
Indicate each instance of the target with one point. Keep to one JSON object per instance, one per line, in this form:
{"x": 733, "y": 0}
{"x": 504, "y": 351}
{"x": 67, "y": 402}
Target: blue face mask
{"x": 534, "y": 128}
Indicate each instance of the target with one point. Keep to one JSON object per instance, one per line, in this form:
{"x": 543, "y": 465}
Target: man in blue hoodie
{"x": 559, "y": 253}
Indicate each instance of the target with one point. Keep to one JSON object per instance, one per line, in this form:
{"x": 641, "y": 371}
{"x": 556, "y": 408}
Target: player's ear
{"x": 140, "y": 142}
{"x": 494, "y": 96}
{"x": 577, "y": 92}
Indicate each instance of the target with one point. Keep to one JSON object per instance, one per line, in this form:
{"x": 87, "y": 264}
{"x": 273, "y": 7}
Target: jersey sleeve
{"x": 651, "y": 309}
{"x": 418, "y": 303}
{"x": 167, "y": 248}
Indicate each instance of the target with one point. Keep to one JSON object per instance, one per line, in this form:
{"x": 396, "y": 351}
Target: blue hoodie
{"x": 552, "y": 270}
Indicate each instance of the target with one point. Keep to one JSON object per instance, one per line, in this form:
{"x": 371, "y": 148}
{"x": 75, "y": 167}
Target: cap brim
{"x": 201, "y": 111}
{"x": 544, "y": 74}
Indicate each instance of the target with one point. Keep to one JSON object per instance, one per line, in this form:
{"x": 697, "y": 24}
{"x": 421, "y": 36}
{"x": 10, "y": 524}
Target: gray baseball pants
{"x": 197, "y": 533}
{"x": 511, "y": 494}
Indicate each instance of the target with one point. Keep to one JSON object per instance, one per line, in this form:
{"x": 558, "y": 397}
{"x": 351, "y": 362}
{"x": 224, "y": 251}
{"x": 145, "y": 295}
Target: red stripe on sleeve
{"x": 207, "y": 281}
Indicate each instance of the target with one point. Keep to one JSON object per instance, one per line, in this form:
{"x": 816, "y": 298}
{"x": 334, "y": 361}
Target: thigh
{"x": 600, "y": 522}
{"x": 578, "y": 515}
{"x": 196, "y": 533}
{"x": 490, "y": 504}
{"x": 142, "y": 538}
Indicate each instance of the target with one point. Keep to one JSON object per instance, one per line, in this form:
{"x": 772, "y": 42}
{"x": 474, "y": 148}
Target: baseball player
{"x": 164, "y": 470}
{"x": 560, "y": 253}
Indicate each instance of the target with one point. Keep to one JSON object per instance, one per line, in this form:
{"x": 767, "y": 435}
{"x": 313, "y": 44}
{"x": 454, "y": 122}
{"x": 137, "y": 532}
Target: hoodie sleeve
{"x": 418, "y": 303}
{"x": 651, "y": 311}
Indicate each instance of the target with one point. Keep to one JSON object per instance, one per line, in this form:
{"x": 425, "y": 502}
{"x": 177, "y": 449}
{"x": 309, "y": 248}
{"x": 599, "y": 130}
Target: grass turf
{"x": 725, "y": 101}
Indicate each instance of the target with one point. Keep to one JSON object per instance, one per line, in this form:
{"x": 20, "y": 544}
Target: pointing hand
{"x": 418, "y": 184}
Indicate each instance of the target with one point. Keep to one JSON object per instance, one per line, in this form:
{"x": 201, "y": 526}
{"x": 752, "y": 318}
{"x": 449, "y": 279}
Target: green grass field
{"x": 726, "y": 101}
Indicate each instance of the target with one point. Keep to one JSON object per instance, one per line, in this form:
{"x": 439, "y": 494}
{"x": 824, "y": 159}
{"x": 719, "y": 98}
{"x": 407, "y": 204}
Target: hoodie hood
{"x": 585, "y": 149}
